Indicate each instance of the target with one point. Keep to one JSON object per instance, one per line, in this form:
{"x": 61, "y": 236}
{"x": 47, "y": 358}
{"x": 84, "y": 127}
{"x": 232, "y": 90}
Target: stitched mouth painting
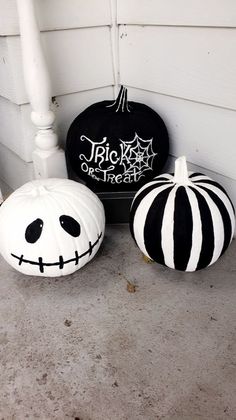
{"x": 41, "y": 264}
{"x": 51, "y": 227}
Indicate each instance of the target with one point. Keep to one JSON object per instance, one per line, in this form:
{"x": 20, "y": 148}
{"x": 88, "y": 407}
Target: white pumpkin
{"x": 51, "y": 227}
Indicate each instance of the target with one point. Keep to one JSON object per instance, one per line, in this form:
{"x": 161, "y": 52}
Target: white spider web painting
{"x": 138, "y": 156}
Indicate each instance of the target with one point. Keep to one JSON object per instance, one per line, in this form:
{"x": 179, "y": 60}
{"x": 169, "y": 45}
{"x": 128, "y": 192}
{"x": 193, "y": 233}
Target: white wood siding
{"x": 76, "y": 37}
{"x": 78, "y": 59}
{"x": 57, "y": 14}
{"x": 178, "y": 12}
{"x": 193, "y": 63}
{"x": 13, "y": 170}
{"x": 17, "y": 131}
{"x": 205, "y": 134}
{"x": 179, "y": 57}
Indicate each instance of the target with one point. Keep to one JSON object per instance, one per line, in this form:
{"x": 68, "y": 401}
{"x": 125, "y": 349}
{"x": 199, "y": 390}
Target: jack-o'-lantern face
{"x": 51, "y": 227}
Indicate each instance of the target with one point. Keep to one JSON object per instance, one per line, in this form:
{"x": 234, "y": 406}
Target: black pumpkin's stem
{"x": 121, "y": 103}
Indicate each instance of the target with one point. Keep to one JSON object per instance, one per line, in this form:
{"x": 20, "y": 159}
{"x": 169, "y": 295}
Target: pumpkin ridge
{"x": 225, "y": 218}
{"x": 196, "y": 231}
{"x": 183, "y": 226}
{"x": 57, "y": 202}
{"x": 92, "y": 197}
{"x": 215, "y": 184}
{"x": 208, "y": 239}
{"x": 81, "y": 202}
{"x": 224, "y": 199}
{"x": 138, "y": 199}
{"x": 153, "y": 234}
{"x": 83, "y": 225}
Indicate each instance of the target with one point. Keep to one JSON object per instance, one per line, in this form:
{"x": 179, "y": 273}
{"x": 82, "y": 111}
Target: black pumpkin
{"x": 117, "y": 146}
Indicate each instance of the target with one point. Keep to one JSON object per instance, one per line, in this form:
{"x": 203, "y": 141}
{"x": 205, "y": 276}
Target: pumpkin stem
{"x": 121, "y": 103}
{"x": 181, "y": 171}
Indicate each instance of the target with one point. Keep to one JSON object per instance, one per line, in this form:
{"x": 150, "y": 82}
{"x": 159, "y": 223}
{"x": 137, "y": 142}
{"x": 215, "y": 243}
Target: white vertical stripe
{"x": 155, "y": 181}
{"x": 201, "y": 178}
{"x": 167, "y": 232}
{"x": 197, "y": 232}
{"x": 141, "y": 214}
{"x": 218, "y": 226}
{"x": 225, "y": 201}
{"x": 168, "y": 177}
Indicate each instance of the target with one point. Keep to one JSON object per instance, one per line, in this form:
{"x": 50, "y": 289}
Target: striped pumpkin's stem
{"x": 181, "y": 171}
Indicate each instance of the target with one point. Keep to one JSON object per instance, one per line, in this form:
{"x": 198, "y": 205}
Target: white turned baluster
{"x": 48, "y": 159}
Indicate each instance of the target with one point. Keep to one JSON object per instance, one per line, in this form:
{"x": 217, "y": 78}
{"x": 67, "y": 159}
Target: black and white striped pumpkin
{"x": 183, "y": 220}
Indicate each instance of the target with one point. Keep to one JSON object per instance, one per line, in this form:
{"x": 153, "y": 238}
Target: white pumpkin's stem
{"x": 181, "y": 171}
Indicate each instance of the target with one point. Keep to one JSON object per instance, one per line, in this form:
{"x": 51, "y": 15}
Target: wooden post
{"x": 48, "y": 159}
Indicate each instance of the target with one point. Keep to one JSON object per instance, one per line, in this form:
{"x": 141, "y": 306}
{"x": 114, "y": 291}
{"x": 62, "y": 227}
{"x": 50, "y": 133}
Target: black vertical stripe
{"x": 196, "y": 174}
{"x": 183, "y": 229}
{"x": 208, "y": 241}
{"x": 138, "y": 200}
{"x": 153, "y": 226}
{"x": 215, "y": 184}
{"x": 225, "y": 218}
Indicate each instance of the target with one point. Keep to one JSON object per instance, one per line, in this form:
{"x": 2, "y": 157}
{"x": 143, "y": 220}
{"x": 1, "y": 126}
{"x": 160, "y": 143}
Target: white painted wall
{"x": 57, "y": 14}
{"x": 178, "y": 57}
{"x": 77, "y": 42}
{"x": 78, "y": 59}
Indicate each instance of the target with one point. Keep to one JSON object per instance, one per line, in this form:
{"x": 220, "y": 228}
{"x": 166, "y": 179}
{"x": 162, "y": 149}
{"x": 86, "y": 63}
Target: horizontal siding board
{"x": 178, "y": 12}
{"x": 205, "y": 134}
{"x": 17, "y": 131}
{"x": 13, "y": 170}
{"x": 5, "y": 69}
{"x": 11, "y": 134}
{"x": 6, "y": 190}
{"x": 78, "y": 59}
{"x": 57, "y": 14}
{"x": 193, "y": 63}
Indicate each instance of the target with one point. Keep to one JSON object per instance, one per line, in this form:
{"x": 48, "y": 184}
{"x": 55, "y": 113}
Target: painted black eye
{"x": 33, "y": 231}
{"x": 70, "y": 225}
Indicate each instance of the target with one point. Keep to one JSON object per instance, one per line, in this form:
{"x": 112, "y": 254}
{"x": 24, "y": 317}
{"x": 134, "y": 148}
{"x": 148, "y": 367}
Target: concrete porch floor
{"x": 83, "y": 347}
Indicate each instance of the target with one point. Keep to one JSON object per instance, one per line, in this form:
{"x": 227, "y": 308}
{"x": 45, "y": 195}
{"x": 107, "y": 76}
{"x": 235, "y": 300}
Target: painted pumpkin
{"x": 184, "y": 221}
{"x": 117, "y": 145}
{"x": 51, "y": 227}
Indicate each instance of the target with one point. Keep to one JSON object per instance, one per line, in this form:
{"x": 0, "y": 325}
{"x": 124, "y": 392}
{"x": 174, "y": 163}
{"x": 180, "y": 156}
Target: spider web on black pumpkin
{"x": 138, "y": 155}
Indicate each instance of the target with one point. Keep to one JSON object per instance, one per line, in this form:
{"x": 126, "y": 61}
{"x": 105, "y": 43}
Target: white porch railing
{"x": 48, "y": 159}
